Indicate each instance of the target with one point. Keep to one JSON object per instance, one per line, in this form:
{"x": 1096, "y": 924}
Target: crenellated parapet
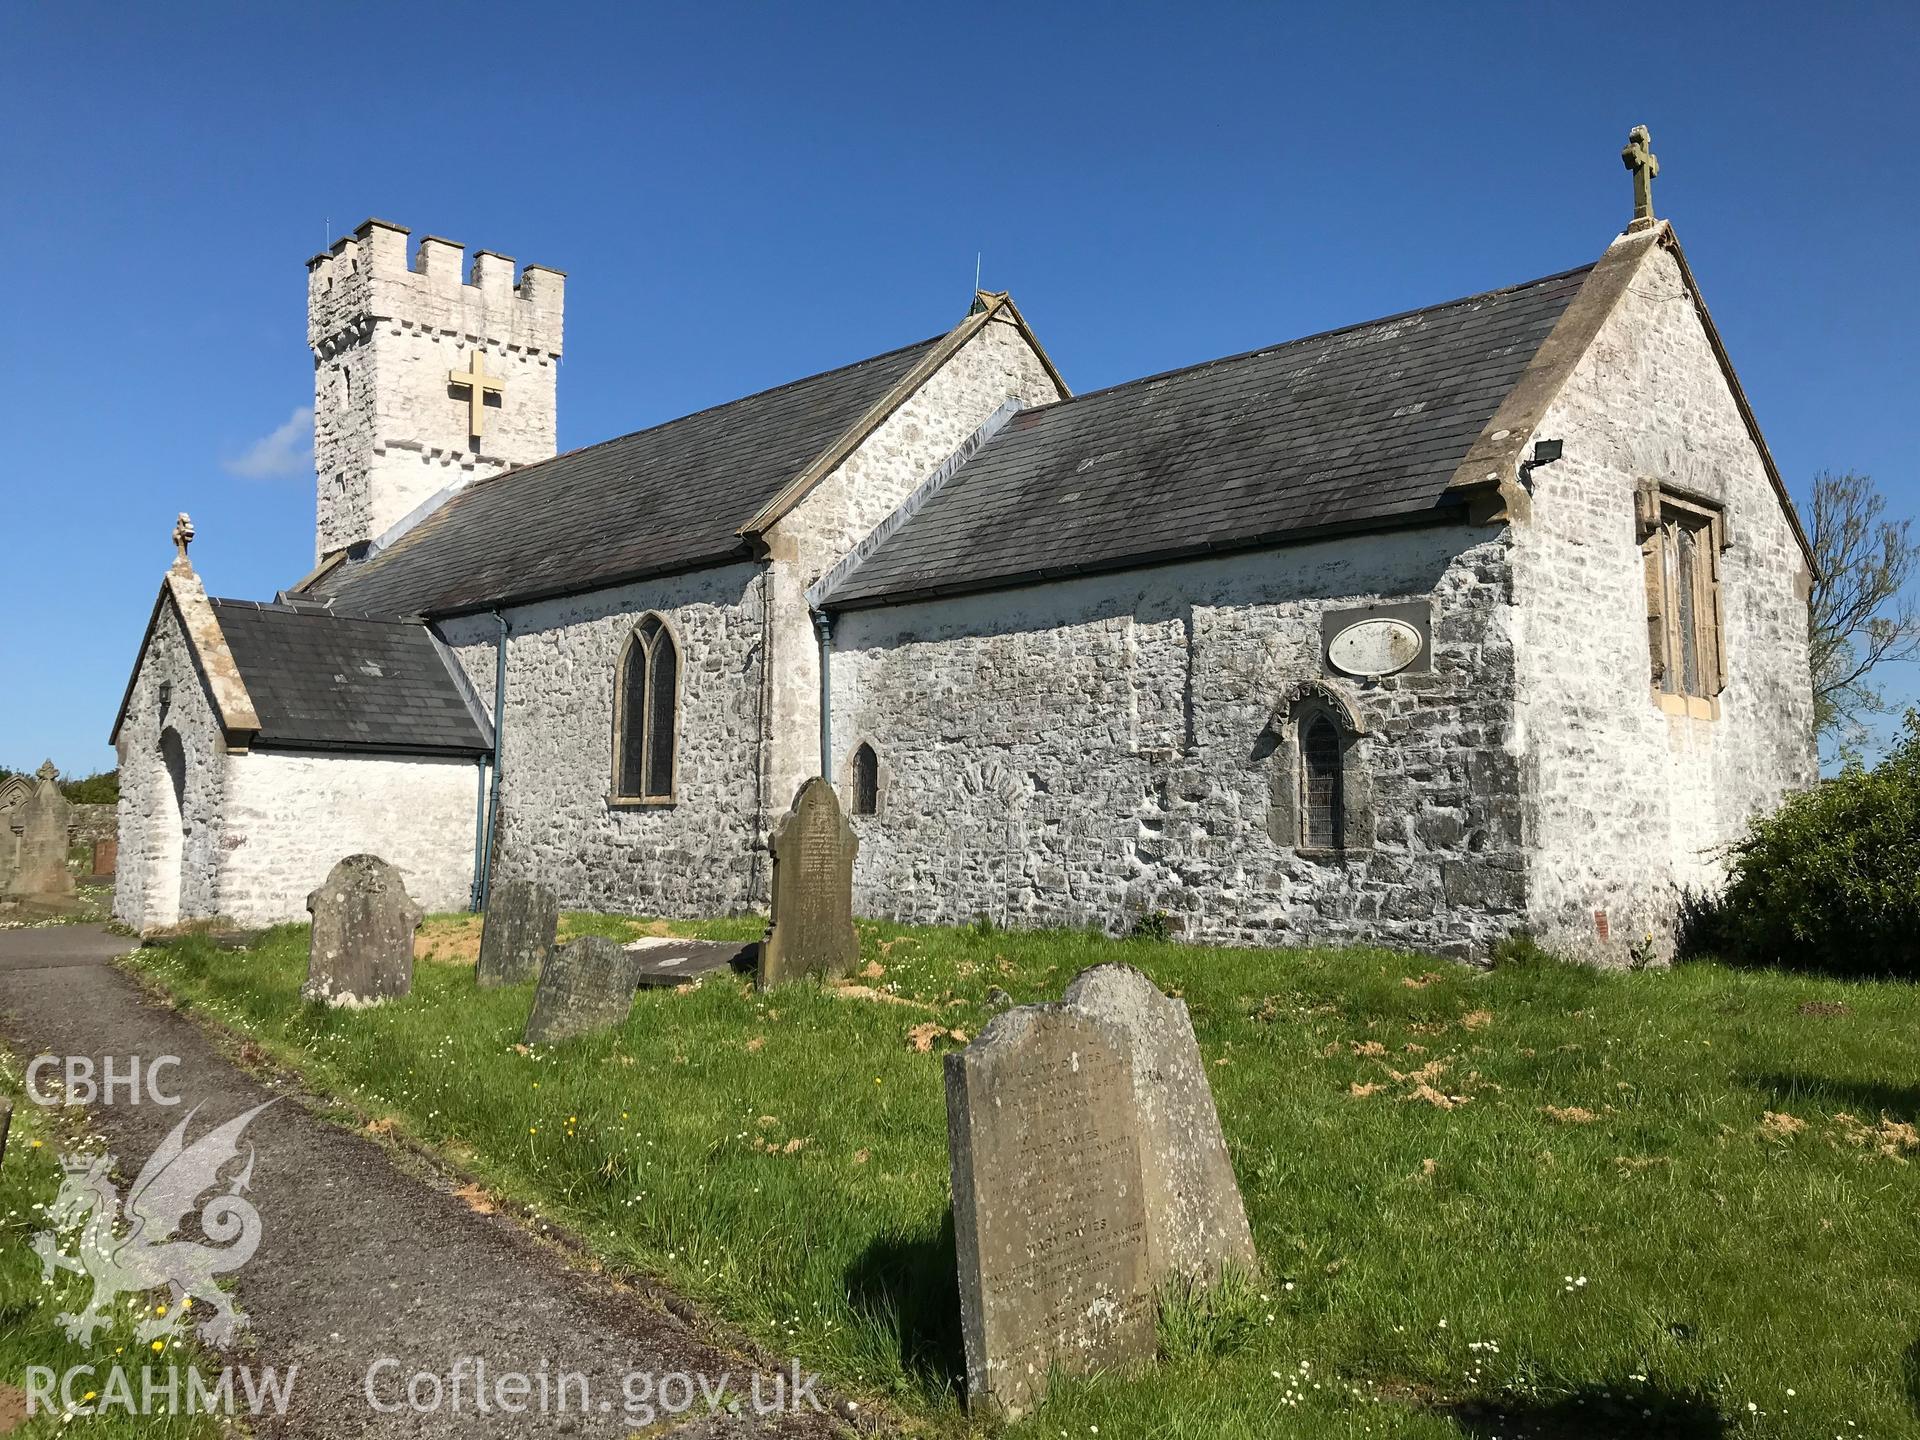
{"x": 430, "y": 370}
{"x": 370, "y": 275}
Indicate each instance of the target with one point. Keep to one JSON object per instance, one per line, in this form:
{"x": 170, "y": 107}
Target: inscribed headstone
{"x": 587, "y": 985}
{"x": 517, "y": 935}
{"x": 812, "y": 931}
{"x": 361, "y": 951}
{"x": 40, "y": 871}
{"x": 1050, "y": 1221}
{"x": 1196, "y": 1220}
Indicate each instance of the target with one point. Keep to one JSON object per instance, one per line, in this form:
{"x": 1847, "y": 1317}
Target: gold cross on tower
{"x": 478, "y": 383}
{"x": 1644, "y": 164}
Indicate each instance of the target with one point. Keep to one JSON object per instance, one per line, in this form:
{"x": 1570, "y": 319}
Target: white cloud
{"x": 288, "y": 450}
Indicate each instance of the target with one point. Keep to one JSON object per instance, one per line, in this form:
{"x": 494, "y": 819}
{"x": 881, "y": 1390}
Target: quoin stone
{"x": 586, "y": 986}
{"x": 1049, "y": 1205}
{"x": 1196, "y": 1220}
{"x": 813, "y": 852}
{"x": 361, "y": 952}
{"x": 517, "y": 936}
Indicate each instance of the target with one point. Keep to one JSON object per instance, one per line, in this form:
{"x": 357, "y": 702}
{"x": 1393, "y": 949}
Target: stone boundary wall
{"x": 93, "y": 822}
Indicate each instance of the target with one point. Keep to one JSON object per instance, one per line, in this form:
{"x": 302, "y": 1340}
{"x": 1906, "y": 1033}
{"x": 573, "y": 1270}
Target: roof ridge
{"x": 270, "y": 607}
{"x": 1304, "y": 339}
{"x": 696, "y": 414}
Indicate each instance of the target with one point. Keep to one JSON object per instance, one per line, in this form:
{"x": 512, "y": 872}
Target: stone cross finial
{"x": 47, "y": 771}
{"x": 182, "y": 538}
{"x": 478, "y": 383}
{"x": 1640, "y": 159}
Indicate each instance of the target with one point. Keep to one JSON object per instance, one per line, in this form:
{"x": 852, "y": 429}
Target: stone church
{"x": 1489, "y": 616}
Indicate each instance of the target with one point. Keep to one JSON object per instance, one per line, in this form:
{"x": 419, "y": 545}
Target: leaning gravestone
{"x": 812, "y": 931}
{"x": 41, "y": 872}
{"x": 586, "y": 985}
{"x": 363, "y": 923}
{"x": 1049, "y": 1209}
{"x": 517, "y": 935}
{"x": 1196, "y": 1221}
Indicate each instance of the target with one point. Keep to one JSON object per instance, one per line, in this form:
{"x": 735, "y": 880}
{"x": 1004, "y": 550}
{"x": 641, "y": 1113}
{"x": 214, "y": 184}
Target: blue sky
{"x": 745, "y": 194}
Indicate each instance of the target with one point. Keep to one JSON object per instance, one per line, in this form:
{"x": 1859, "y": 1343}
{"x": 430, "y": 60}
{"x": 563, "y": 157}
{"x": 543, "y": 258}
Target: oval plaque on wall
{"x": 1374, "y": 647}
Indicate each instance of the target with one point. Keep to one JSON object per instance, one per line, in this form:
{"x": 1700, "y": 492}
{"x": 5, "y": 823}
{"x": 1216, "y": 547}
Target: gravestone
{"x": 1049, "y": 1209}
{"x": 361, "y": 952}
{"x": 517, "y": 935}
{"x": 15, "y": 792}
{"x": 587, "y": 985}
{"x": 812, "y": 931}
{"x": 106, "y": 858}
{"x": 1196, "y": 1220}
{"x": 40, "y": 864}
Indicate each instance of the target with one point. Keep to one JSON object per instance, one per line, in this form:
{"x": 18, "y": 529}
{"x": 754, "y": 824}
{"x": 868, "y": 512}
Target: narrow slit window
{"x": 866, "y": 781}
{"x": 1322, "y": 802}
{"x": 646, "y": 722}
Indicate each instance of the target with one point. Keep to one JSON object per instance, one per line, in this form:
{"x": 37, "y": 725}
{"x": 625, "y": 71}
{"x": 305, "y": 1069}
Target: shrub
{"x": 1831, "y": 880}
{"x": 1152, "y": 925}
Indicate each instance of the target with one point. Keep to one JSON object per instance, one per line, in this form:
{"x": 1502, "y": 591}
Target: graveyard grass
{"x": 29, "y": 1332}
{"x": 1538, "y": 1201}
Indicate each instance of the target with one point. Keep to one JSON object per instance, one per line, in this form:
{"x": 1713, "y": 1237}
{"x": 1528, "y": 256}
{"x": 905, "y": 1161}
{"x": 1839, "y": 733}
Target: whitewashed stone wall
{"x": 1085, "y": 751}
{"x": 993, "y": 366}
{"x": 560, "y": 823}
{"x": 290, "y": 816}
{"x": 706, "y": 853}
{"x": 169, "y": 854}
{"x": 390, "y": 431}
{"x": 1631, "y": 804}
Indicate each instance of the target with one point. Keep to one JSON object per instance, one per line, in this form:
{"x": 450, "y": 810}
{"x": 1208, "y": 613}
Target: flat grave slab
{"x": 670, "y": 960}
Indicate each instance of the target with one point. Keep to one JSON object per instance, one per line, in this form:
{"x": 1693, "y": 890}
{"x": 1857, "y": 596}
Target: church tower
{"x": 422, "y": 379}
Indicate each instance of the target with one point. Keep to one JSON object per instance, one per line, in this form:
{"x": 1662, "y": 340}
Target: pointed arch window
{"x": 1323, "y": 804}
{"x": 646, "y": 725}
{"x": 866, "y": 780}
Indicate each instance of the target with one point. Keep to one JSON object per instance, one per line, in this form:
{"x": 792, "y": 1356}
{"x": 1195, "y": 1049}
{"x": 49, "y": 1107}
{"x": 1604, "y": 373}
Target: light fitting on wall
{"x": 166, "y": 693}
{"x": 1545, "y": 452}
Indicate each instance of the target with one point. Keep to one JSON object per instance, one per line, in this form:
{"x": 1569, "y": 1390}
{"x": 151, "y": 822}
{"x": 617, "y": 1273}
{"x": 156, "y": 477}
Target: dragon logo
{"x": 149, "y": 1252}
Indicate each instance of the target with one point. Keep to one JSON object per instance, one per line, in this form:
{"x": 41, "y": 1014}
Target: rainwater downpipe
{"x": 823, "y": 626}
{"x": 499, "y": 736}
{"x": 475, "y": 902}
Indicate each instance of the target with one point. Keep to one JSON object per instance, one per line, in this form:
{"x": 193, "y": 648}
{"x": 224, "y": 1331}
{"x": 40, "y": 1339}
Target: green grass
{"x": 29, "y": 1333}
{"x": 1497, "y": 1204}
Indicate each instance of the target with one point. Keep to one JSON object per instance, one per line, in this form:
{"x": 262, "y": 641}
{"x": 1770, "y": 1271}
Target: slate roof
{"x": 1356, "y": 427}
{"x": 339, "y": 682}
{"x": 669, "y": 498}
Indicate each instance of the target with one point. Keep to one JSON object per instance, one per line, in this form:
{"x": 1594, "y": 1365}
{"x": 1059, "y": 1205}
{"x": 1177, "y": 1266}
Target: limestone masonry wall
{"x": 293, "y": 815}
{"x": 1085, "y": 751}
{"x": 560, "y": 825}
{"x": 390, "y": 429}
{"x": 993, "y": 366}
{"x": 1629, "y": 803}
{"x": 171, "y": 825}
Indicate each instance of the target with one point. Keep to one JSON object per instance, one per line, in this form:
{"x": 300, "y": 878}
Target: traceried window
{"x": 647, "y": 714}
{"x": 1322, "y": 798}
{"x": 866, "y": 780}
{"x": 1686, "y": 643}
